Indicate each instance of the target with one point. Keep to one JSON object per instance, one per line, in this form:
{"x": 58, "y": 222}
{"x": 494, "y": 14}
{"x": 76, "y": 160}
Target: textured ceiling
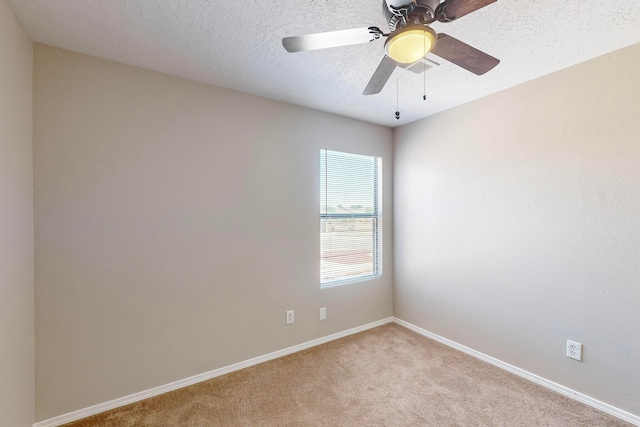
{"x": 237, "y": 45}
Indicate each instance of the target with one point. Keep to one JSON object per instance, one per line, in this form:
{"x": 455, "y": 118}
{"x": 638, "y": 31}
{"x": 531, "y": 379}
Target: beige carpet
{"x": 387, "y": 376}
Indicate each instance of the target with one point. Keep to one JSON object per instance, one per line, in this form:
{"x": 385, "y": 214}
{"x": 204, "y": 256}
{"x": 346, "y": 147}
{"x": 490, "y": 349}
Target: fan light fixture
{"x": 410, "y": 43}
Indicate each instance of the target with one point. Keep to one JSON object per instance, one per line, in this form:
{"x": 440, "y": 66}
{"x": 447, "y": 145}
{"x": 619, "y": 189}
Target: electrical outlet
{"x": 289, "y": 317}
{"x": 574, "y": 350}
{"x": 323, "y": 313}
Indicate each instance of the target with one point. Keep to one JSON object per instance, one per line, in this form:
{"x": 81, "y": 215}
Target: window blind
{"x": 349, "y": 217}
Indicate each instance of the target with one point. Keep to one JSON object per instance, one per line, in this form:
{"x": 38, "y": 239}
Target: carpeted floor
{"x": 388, "y": 376}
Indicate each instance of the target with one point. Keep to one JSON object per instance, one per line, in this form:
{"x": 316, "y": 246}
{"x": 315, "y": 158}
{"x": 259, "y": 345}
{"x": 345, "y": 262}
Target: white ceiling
{"x": 237, "y": 45}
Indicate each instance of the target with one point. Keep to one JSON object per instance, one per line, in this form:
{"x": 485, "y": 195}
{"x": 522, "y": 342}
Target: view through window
{"x": 350, "y": 220}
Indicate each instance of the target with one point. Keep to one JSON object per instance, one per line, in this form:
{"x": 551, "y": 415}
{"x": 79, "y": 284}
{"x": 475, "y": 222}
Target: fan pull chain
{"x": 397, "y": 95}
{"x": 424, "y": 72}
{"x": 424, "y": 91}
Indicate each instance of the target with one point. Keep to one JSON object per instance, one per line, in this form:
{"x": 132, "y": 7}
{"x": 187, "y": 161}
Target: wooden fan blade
{"x": 331, "y": 39}
{"x": 380, "y": 77}
{"x": 463, "y": 55}
{"x": 451, "y": 10}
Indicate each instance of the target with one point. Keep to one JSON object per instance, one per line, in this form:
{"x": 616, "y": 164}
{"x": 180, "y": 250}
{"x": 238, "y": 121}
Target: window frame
{"x": 375, "y": 216}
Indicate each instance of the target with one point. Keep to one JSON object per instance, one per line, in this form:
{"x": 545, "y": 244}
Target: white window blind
{"x": 350, "y": 217}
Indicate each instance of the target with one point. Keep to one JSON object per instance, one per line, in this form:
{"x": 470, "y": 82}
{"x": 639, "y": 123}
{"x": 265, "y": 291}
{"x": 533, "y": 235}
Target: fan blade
{"x": 380, "y": 77}
{"x": 331, "y": 39}
{"x": 463, "y": 55}
{"x": 451, "y": 10}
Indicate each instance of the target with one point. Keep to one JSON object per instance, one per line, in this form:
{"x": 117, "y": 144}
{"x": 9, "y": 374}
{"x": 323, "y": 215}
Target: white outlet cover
{"x": 323, "y": 313}
{"x": 290, "y": 317}
{"x": 574, "y": 350}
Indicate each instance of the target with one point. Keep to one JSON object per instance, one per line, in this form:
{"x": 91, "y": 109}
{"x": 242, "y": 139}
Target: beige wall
{"x": 16, "y": 224}
{"x": 175, "y": 224}
{"x": 517, "y": 226}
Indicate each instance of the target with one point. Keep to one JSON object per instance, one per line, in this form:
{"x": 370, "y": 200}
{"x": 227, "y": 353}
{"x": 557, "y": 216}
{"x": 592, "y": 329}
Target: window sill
{"x": 349, "y": 281}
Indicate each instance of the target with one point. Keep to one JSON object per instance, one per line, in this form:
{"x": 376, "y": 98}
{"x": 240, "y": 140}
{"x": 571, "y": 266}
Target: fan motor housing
{"x": 419, "y": 12}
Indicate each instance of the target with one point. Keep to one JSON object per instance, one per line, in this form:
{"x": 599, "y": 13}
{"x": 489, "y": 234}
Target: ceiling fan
{"x": 409, "y": 40}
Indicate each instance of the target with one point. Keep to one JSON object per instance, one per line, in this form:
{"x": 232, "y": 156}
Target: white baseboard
{"x": 136, "y": 397}
{"x": 604, "y": 407}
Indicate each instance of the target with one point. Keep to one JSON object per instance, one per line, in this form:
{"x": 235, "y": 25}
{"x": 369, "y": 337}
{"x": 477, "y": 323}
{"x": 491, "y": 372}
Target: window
{"x": 350, "y": 217}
